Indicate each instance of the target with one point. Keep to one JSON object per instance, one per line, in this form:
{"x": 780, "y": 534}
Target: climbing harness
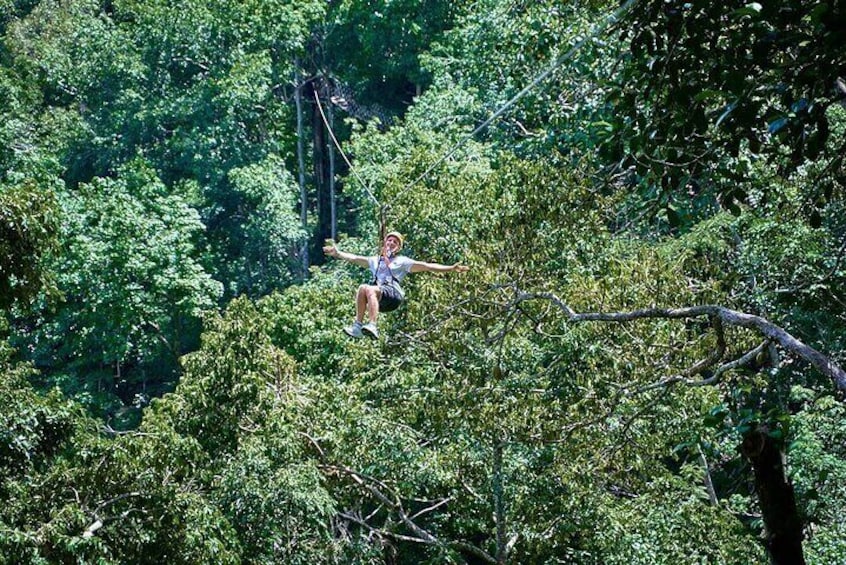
{"x": 392, "y": 293}
{"x": 387, "y": 261}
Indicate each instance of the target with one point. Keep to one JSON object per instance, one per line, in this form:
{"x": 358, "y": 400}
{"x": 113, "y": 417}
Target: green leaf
{"x": 728, "y": 110}
{"x": 818, "y": 12}
{"x": 709, "y": 94}
{"x": 749, "y": 10}
{"x": 777, "y": 124}
{"x": 673, "y": 216}
{"x": 776, "y": 433}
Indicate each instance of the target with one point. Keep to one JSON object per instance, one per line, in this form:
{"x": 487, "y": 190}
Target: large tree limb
{"x": 726, "y": 316}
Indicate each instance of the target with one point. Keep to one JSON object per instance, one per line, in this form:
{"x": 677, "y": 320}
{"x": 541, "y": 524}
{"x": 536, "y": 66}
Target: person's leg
{"x": 360, "y": 303}
{"x": 361, "y": 298}
{"x": 374, "y": 293}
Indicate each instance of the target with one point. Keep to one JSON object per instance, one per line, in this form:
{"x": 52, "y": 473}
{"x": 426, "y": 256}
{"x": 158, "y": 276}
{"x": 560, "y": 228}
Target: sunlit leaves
{"x": 130, "y": 282}
{"x": 171, "y": 125}
{"x": 265, "y": 230}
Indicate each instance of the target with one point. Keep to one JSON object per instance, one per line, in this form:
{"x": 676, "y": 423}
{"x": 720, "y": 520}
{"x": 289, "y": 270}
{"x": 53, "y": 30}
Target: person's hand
{"x": 331, "y": 250}
{"x": 460, "y": 268}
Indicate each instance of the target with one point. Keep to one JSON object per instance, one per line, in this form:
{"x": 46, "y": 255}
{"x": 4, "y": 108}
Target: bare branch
{"x": 111, "y": 501}
{"x": 316, "y": 445}
{"x": 108, "y": 429}
{"x": 375, "y": 511}
{"x": 422, "y": 536}
{"x": 162, "y": 338}
{"x": 433, "y": 507}
{"x": 365, "y": 480}
{"x": 360, "y": 522}
{"x": 741, "y": 361}
{"x": 706, "y": 477}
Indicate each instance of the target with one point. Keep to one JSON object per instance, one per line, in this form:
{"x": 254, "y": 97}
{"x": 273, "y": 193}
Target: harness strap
{"x": 387, "y": 266}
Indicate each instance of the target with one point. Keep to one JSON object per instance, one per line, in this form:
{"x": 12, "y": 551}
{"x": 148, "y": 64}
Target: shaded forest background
{"x": 175, "y": 385}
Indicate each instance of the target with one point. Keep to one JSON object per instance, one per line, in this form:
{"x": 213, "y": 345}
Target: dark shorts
{"x": 391, "y": 298}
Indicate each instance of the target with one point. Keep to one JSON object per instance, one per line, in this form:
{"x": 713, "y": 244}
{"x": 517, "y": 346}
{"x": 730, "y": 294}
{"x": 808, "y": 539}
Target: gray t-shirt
{"x": 399, "y": 267}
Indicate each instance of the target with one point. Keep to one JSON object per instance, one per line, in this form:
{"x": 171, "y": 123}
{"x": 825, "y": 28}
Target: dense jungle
{"x": 644, "y": 363}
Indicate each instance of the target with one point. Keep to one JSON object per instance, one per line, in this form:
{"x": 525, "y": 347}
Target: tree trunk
{"x": 321, "y": 177}
{"x": 298, "y": 101}
{"x": 499, "y": 505}
{"x": 332, "y": 198}
{"x": 776, "y": 497}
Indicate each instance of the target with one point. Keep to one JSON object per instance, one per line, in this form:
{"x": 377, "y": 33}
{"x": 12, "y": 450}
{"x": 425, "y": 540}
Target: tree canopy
{"x": 644, "y": 363}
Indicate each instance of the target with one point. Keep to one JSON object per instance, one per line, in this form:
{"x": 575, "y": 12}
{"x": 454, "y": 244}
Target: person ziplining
{"x": 384, "y": 293}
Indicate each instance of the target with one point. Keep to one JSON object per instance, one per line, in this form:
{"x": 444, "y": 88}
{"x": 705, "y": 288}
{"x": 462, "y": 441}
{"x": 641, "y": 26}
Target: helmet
{"x": 397, "y": 235}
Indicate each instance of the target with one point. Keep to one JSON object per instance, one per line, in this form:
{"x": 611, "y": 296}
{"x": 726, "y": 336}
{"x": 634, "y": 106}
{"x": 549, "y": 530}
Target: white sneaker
{"x": 370, "y": 330}
{"x": 353, "y": 330}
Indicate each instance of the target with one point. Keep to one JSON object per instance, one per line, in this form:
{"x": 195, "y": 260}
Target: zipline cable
{"x": 383, "y": 209}
{"x": 341, "y": 151}
{"x": 612, "y": 19}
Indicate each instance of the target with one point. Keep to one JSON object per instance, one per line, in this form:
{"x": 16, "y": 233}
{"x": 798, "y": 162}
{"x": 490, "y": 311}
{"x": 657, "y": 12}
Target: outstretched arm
{"x": 421, "y": 267}
{"x": 333, "y": 251}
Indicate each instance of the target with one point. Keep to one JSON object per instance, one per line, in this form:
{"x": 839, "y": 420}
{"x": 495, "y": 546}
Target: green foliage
{"x": 28, "y": 137}
{"x": 28, "y": 234}
{"x": 499, "y": 48}
{"x": 280, "y": 508}
{"x": 131, "y": 285}
{"x": 770, "y": 259}
{"x": 653, "y": 520}
{"x": 303, "y": 321}
{"x": 34, "y": 427}
{"x": 230, "y": 373}
{"x": 269, "y": 229}
{"x": 459, "y": 395}
{"x": 195, "y": 89}
{"x": 122, "y": 500}
{"x": 47, "y": 455}
{"x": 376, "y": 46}
{"x": 818, "y": 471}
{"x": 242, "y": 400}
{"x": 191, "y": 485}
{"x": 164, "y": 133}
{"x": 706, "y": 82}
